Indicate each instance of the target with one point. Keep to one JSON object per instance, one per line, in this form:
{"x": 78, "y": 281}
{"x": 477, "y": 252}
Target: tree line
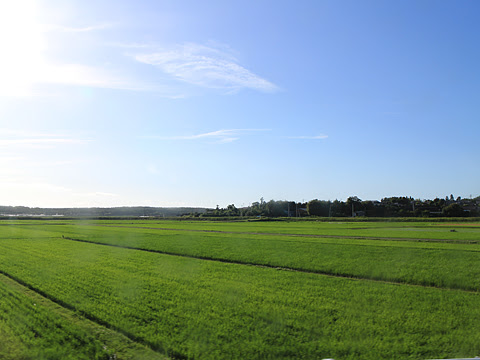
{"x": 353, "y": 207}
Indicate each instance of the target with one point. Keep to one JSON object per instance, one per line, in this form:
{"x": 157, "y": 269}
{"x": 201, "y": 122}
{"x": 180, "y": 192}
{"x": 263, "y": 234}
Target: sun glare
{"x": 22, "y": 45}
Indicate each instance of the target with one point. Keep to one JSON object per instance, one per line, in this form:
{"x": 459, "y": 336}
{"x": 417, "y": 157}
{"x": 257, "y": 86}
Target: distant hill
{"x": 126, "y": 211}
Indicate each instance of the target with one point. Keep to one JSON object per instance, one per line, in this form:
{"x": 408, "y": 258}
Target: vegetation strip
{"x": 91, "y": 317}
{"x": 296, "y": 235}
{"x": 226, "y": 261}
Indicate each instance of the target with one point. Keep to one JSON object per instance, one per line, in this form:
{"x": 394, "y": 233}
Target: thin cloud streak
{"x": 19, "y": 138}
{"x": 28, "y": 134}
{"x": 42, "y": 141}
{"x": 101, "y": 77}
{"x": 205, "y": 67}
{"x": 69, "y": 29}
{"x": 222, "y": 136}
{"x": 82, "y": 75}
{"x": 316, "y": 137}
{"x": 133, "y": 45}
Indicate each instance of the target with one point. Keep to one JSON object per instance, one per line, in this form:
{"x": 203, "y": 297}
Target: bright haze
{"x": 198, "y": 103}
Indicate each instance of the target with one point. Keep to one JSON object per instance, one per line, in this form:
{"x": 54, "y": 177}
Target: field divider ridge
{"x": 276, "y": 267}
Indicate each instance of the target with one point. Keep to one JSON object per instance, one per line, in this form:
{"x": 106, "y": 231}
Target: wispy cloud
{"x": 315, "y": 137}
{"x": 61, "y": 28}
{"x": 219, "y": 136}
{"x": 6, "y": 132}
{"x": 40, "y": 142}
{"x": 25, "y": 68}
{"x": 7, "y": 159}
{"x": 98, "y": 77}
{"x": 83, "y": 75}
{"x": 133, "y": 45}
{"x": 14, "y": 138}
{"x": 206, "y": 67}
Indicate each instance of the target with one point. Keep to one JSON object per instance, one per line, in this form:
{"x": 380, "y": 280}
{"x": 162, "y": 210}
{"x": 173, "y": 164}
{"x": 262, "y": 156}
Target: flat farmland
{"x": 256, "y": 290}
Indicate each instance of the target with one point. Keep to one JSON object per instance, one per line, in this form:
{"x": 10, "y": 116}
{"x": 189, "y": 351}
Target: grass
{"x": 192, "y": 308}
{"x": 33, "y": 327}
{"x": 449, "y": 265}
{"x": 413, "y": 230}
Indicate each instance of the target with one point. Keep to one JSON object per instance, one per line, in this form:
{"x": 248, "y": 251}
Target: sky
{"x": 203, "y": 103}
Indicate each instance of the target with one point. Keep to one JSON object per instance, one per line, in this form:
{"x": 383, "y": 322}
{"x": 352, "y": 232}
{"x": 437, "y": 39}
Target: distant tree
{"x": 439, "y": 203}
{"x": 313, "y": 207}
{"x": 232, "y": 210}
{"x": 353, "y": 202}
{"x": 277, "y": 208}
{"x": 453, "y": 210}
{"x": 318, "y": 208}
{"x": 371, "y": 209}
{"x": 340, "y": 209}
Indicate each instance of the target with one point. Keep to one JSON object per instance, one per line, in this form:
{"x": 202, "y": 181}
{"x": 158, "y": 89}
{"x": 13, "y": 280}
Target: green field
{"x": 239, "y": 290}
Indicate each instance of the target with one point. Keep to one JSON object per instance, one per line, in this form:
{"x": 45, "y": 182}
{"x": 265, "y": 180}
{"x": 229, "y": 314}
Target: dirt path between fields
{"x": 298, "y": 235}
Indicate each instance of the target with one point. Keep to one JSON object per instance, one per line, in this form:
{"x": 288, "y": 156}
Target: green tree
{"x": 318, "y": 208}
{"x": 339, "y": 208}
{"x": 453, "y": 210}
{"x": 277, "y": 208}
{"x": 354, "y": 203}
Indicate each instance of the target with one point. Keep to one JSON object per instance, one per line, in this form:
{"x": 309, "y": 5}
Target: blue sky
{"x": 199, "y": 103}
